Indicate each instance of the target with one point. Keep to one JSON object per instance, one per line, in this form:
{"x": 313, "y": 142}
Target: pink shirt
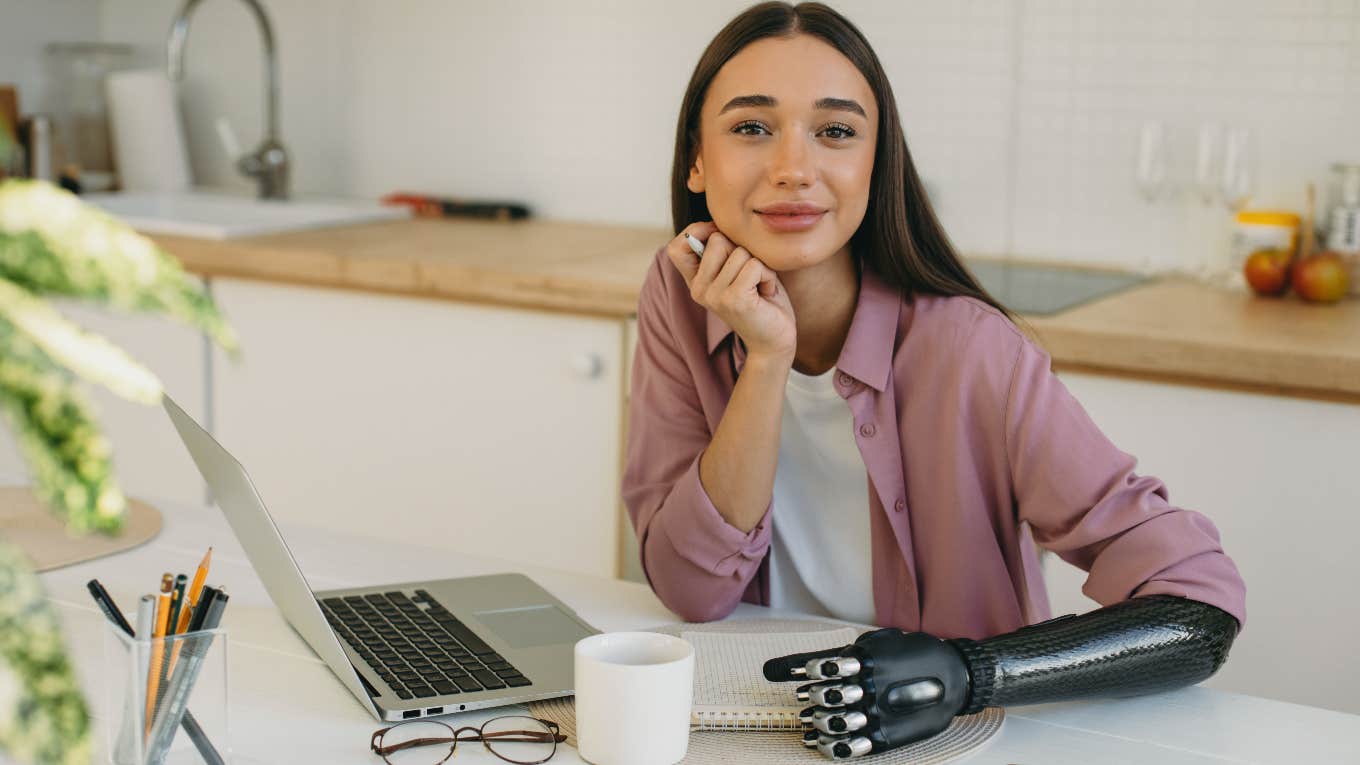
{"x": 974, "y": 451}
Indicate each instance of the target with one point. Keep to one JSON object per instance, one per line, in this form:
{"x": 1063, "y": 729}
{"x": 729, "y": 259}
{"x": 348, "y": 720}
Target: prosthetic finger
{"x": 835, "y": 693}
{"x": 838, "y": 747}
{"x": 794, "y": 666}
{"x": 829, "y": 668}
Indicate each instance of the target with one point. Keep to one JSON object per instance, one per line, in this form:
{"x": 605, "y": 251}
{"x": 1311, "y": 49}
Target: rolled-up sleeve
{"x": 1083, "y": 500}
{"x": 696, "y": 562}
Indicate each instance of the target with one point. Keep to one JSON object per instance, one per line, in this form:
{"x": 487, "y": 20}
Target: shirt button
{"x": 900, "y": 505}
{"x": 844, "y": 380}
{"x": 867, "y": 430}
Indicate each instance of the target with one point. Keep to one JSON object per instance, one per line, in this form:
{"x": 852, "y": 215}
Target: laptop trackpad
{"x": 533, "y": 626}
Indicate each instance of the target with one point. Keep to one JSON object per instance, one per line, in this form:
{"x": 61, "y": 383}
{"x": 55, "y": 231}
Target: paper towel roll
{"x": 148, "y": 136}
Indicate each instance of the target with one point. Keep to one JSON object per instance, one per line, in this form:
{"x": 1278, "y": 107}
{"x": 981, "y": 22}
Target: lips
{"x": 786, "y": 217}
{"x": 791, "y": 208}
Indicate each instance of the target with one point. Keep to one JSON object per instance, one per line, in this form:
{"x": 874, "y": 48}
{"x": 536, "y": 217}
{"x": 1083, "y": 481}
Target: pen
{"x": 177, "y": 602}
{"x": 190, "y": 724}
{"x": 695, "y": 244}
{"x": 193, "y": 593}
{"x": 215, "y": 609}
{"x": 110, "y": 609}
{"x": 195, "y": 589}
{"x": 153, "y": 679}
{"x": 201, "y": 611}
{"x": 146, "y": 616}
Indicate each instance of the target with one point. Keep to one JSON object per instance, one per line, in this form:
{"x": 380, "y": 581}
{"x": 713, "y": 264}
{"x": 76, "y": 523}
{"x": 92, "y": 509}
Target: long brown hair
{"x": 900, "y": 238}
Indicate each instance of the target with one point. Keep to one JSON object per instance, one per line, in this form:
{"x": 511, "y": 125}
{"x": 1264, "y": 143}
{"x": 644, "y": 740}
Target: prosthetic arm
{"x": 890, "y": 687}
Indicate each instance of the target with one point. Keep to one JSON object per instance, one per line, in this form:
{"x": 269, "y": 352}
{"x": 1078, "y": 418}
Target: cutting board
{"x": 41, "y": 534}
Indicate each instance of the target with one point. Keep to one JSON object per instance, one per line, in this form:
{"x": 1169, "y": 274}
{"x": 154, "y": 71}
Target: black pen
{"x": 190, "y": 725}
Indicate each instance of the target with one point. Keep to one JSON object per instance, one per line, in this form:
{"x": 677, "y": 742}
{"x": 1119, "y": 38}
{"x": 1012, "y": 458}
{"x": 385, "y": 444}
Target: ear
{"x": 695, "y": 182}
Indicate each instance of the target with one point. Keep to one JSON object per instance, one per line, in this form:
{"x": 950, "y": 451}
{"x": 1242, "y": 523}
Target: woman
{"x": 829, "y": 333}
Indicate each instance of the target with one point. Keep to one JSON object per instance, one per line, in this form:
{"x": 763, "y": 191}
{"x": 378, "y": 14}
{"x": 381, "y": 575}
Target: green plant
{"x": 53, "y": 245}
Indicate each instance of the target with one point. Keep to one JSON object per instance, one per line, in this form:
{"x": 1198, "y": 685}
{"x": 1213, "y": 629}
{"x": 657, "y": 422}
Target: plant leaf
{"x": 85, "y": 353}
{"x": 52, "y": 243}
{"x": 69, "y": 460}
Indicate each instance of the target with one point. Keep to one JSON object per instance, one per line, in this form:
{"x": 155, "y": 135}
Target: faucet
{"x": 268, "y": 164}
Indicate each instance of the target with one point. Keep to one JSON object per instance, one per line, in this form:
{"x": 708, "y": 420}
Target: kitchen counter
{"x": 1166, "y": 330}
{"x": 585, "y": 268}
{"x": 1176, "y": 330}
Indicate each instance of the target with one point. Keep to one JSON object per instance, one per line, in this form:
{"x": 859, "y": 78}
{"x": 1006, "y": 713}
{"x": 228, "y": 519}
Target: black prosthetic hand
{"x": 890, "y": 688}
{"x": 887, "y": 689}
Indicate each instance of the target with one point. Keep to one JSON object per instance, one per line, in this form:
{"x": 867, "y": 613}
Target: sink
{"x": 1039, "y": 290}
{"x": 207, "y": 215}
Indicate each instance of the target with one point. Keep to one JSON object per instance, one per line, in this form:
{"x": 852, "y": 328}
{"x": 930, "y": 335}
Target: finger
{"x": 834, "y": 693}
{"x": 838, "y": 721}
{"x": 686, "y": 262}
{"x": 682, "y": 253}
{"x": 755, "y": 275}
{"x": 738, "y": 258}
{"x": 769, "y": 283}
{"x": 780, "y": 668}
{"x": 700, "y": 230}
{"x": 838, "y": 747}
{"x": 716, "y": 250}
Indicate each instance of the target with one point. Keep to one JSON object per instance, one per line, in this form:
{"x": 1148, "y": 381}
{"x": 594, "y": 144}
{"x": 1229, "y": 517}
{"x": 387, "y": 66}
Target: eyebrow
{"x": 836, "y": 104}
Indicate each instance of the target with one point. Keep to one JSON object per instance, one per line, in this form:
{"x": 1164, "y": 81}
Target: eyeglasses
{"x": 517, "y": 739}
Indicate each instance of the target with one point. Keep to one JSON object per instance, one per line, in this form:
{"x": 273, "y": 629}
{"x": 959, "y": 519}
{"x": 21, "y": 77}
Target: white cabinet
{"x": 480, "y": 428}
{"x": 1277, "y": 476}
{"x": 149, "y": 458}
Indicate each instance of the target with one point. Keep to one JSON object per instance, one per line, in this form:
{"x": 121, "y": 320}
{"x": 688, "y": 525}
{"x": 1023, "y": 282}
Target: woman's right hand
{"x": 739, "y": 288}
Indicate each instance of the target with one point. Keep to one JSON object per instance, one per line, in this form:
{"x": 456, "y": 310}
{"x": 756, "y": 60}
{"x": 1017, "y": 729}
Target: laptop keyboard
{"x": 416, "y": 646}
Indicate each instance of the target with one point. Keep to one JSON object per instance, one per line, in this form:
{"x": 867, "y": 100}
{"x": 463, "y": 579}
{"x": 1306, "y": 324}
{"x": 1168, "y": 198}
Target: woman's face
{"x": 787, "y": 120}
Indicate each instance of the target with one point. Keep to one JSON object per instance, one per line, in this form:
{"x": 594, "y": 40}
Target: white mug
{"x": 634, "y": 692}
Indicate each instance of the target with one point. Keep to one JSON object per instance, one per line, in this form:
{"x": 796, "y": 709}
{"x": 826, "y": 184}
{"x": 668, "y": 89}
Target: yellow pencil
{"x": 162, "y": 621}
{"x": 194, "y": 591}
{"x": 191, "y": 595}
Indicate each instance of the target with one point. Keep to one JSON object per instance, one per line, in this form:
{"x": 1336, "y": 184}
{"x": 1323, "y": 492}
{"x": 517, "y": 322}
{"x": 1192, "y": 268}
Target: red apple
{"x": 1321, "y": 278}
{"x": 1267, "y": 271}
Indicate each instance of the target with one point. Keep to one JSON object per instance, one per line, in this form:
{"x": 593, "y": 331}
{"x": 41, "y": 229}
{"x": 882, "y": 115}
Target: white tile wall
{"x": 26, "y": 26}
{"x": 1092, "y": 71}
{"x": 1022, "y": 114}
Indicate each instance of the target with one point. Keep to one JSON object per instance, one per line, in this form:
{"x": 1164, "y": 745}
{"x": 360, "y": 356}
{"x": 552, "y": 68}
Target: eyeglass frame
{"x": 374, "y": 742}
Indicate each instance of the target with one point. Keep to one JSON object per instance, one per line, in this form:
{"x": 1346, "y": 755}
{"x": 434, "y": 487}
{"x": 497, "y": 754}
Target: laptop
{"x": 405, "y": 650}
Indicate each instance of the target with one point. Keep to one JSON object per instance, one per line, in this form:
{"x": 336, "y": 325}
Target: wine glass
{"x": 1207, "y": 162}
{"x": 1150, "y": 171}
{"x": 1235, "y": 183}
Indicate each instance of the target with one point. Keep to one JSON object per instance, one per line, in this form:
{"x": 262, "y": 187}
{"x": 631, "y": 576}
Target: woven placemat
{"x": 963, "y": 737}
{"x": 25, "y": 521}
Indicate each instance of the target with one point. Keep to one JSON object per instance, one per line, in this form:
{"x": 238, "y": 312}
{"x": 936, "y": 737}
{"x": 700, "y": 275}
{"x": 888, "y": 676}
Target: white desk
{"x": 286, "y": 707}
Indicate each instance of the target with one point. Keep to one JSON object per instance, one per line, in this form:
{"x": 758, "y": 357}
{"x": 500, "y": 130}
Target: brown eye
{"x": 845, "y": 131}
{"x": 741, "y": 128}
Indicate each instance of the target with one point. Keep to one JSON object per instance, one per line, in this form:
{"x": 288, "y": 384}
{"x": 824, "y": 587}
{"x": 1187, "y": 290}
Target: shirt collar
{"x": 868, "y": 349}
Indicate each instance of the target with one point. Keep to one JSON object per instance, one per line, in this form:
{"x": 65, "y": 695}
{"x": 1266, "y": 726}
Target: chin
{"x": 785, "y": 253}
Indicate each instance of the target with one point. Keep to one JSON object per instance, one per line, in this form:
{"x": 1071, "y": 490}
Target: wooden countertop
{"x": 587, "y": 268}
{"x": 1168, "y": 330}
{"x": 1176, "y": 330}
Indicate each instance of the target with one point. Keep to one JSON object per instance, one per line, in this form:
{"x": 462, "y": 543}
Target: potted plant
{"x": 52, "y": 244}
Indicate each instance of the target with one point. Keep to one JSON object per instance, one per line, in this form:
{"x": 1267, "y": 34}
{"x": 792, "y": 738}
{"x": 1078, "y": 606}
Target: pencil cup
{"x": 166, "y": 699}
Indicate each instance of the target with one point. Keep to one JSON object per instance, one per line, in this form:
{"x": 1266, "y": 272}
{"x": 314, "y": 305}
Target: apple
{"x": 1267, "y": 271}
{"x": 1321, "y": 278}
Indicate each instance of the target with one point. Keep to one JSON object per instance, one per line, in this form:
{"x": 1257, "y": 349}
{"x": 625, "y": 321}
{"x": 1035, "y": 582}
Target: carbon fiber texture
{"x": 1142, "y": 645}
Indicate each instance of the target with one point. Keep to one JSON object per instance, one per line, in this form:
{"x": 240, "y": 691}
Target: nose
{"x": 792, "y": 164}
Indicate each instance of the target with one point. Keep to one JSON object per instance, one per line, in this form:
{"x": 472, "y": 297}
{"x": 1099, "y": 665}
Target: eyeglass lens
{"x": 516, "y": 739}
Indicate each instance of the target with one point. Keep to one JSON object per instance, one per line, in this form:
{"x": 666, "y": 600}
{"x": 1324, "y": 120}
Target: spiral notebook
{"x": 730, "y": 691}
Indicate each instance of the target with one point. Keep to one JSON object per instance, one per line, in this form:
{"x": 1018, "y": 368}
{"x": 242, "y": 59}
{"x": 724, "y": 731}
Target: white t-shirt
{"x": 820, "y": 561}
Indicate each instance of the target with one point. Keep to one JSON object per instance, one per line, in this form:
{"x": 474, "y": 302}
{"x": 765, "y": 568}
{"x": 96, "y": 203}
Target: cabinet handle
{"x": 587, "y": 365}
